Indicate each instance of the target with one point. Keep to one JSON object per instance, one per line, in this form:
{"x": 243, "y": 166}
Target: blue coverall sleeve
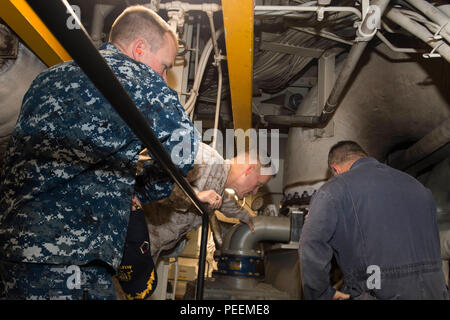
{"x": 315, "y": 250}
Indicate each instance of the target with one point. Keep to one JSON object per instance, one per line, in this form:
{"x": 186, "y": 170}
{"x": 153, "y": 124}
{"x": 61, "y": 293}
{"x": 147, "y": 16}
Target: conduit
{"x": 419, "y": 31}
{"x": 209, "y": 8}
{"x": 318, "y": 9}
{"x": 190, "y": 104}
{"x": 217, "y": 60}
{"x": 435, "y": 15}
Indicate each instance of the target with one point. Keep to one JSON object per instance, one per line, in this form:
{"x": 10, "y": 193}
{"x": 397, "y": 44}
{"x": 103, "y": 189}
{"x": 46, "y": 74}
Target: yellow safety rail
{"x": 19, "y": 16}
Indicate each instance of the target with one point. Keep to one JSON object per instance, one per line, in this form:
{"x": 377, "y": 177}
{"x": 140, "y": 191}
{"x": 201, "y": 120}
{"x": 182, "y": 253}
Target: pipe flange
{"x": 240, "y": 266}
{"x": 244, "y": 253}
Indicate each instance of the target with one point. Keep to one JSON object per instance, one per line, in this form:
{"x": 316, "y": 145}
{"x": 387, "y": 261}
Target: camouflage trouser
{"x": 33, "y": 281}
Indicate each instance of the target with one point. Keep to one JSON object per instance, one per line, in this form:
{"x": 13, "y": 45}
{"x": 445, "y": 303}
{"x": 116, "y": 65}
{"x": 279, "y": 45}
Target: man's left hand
{"x": 250, "y": 225}
{"x": 341, "y": 296}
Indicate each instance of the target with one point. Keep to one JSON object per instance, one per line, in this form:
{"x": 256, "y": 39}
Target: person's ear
{"x": 138, "y": 48}
{"x": 334, "y": 170}
{"x": 249, "y": 169}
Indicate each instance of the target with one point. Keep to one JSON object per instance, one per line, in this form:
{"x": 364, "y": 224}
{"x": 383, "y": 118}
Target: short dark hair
{"x": 139, "y": 21}
{"x": 344, "y": 151}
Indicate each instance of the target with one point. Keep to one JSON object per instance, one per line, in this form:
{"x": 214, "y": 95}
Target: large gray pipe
{"x": 241, "y": 240}
{"x": 434, "y": 140}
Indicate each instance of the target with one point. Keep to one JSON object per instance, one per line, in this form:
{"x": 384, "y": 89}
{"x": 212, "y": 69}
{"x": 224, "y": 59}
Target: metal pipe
{"x": 240, "y": 239}
{"x": 83, "y": 51}
{"x": 419, "y": 31}
{"x": 217, "y": 61}
{"x": 433, "y": 27}
{"x": 435, "y": 15}
{"x": 336, "y": 93}
{"x": 323, "y": 34}
{"x": 431, "y": 142}
{"x": 178, "y": 5}
{"x": 190, "y": 104}
{"x": 396, "y": 49}
{"x": 319, "y": 9}
{"x": 197, "y": 48}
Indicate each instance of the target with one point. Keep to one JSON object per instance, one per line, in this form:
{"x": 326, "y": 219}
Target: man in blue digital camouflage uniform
{"x": 69, "y": 172}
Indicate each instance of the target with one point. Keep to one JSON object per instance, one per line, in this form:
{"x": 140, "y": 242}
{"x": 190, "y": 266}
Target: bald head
{"x": 247, "y": 173}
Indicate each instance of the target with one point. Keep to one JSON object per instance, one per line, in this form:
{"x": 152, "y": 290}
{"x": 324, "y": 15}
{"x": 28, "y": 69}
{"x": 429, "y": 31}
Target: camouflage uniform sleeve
{"x": 178, "y": 200}
{"x": 179, "y": 138}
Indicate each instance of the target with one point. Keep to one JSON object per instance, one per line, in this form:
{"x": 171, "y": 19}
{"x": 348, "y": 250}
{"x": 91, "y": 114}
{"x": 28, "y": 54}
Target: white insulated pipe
{"x": 217, "y": 59}
{"x": 435, "y": 15}
{"x": 317, "y": 9}
{"x": 178, "y": 5}
{"x": 189, "y": 106}
{"x": 419, "y": 31}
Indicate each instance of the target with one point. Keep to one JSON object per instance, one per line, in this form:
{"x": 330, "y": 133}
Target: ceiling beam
{"x": 19, "y": 16}
{"x": 238, "y": 18}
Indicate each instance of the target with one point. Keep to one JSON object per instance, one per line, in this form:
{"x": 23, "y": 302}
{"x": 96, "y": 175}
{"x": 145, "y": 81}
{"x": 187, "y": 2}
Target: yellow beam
{"x": 238, "y": 18}
{"x": 26, "y": 24}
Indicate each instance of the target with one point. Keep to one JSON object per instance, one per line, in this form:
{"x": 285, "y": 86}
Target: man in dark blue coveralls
{"x": 380, "y": 224}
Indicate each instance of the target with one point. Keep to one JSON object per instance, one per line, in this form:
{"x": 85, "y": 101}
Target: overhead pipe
{"x": 217, "y": 62}
{"x": 320, "y": 10}
{"x": 435, "y": 15}
{"x": 197, "y": 47}
{"x": 394, "y": 48}
{"x": 431, "y": 142}
{"x": 323, "y": 34}
{"x": 190, "y": 104}
{"x": 176, "y": 10}
{"x": 185, "y": 6}
{"x": 415, "y": 28}
{"x": 83, "y": 51}
{"x": 366, "y": 29}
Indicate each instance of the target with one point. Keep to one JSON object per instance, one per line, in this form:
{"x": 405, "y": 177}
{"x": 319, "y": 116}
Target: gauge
{"x": 257, "y": 204}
